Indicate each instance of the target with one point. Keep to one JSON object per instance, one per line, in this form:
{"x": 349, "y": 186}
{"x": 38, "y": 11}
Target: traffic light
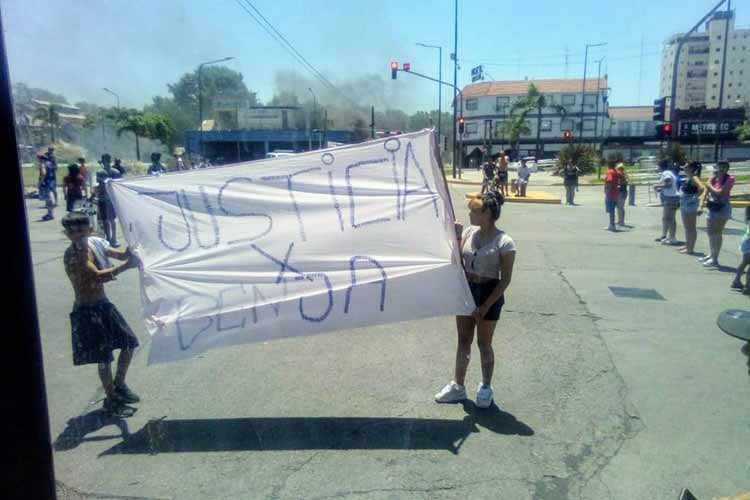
{"x": 659, "y": 108}
{"x": 394, "y": 69}
{"x": 407, "y": 66}
{"x": 568, "y": 135}
{"x": 664, "y": 131}
{"x": 461, "y": 123}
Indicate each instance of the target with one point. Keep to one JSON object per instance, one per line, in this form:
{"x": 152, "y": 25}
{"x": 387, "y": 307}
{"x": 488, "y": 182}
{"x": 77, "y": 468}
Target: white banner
{"x": 320, "y": 241}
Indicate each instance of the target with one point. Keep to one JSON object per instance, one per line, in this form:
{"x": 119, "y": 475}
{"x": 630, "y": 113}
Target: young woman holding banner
{"x": 488, "y": 256}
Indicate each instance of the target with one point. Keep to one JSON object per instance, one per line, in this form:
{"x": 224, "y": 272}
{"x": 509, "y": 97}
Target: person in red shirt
{"x": 611, "y": 194}
{"x": 74, "y": 186}
{"x": 84, "y": 171}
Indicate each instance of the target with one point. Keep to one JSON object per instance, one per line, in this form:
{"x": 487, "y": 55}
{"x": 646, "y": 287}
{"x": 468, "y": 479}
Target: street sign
{"x": 708, "y": 128}
{"x": 477, "y": 74}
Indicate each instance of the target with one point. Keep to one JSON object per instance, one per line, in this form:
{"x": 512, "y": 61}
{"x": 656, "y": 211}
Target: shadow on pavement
{"x": 320, "y": 433}
{"x": 79, "y": 427}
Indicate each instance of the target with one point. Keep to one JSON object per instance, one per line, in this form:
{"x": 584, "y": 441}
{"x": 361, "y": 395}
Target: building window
{"x": 589, "y": 125}
{"x": 472, "y": 104}
{"x": 716, "y": 61}
{"x": 589, "y": 100}
{"x": 472, "y": 127}
{"x": 714, "y": 85}
{"x": 546, "y": 125}
{"x": 713, "y": 97}
{"x": 499, "y": 128}
{"x": 718, "y": 49}
{"x": 730, "y": 84}
{"x": 718, "y": 37}
{"x": 568, "y": 100}
{"x": 566, "y": 124}
{"x": 501, "y": 105}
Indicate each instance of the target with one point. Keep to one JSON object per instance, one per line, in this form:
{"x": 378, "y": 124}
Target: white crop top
{"x": 484, "y": 261}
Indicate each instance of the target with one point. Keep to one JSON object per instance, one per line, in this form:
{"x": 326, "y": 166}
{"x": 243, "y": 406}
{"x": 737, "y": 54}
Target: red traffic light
{"x": 667, "y": 128}
{"x": 567, "y": 134}
{"x": 461, "y": 120}
{"x": 407, "y": 66}
{"x": 394, "y": 65}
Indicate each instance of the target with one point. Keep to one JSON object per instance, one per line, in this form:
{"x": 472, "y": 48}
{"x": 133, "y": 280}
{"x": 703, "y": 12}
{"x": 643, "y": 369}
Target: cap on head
{"x": 106, "y": 157}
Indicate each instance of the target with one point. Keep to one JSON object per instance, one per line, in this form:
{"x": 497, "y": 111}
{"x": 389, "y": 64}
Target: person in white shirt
{"x": 488, "y": 255}
{"x": 523, "y": 178}
{"x": 670, "y": 199}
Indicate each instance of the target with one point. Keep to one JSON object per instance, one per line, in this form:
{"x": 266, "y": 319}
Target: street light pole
{"x": 583, "y": 86}
{"x": 114, "y": 94}
{"x": 598, "y": 88}
{"x": 455, "y": 83}
{"x": 200, "y": 98}
{"x": 440, "y": 87}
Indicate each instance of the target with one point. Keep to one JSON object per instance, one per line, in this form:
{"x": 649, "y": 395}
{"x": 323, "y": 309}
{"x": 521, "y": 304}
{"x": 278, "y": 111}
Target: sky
{"x": 137, "y": 47}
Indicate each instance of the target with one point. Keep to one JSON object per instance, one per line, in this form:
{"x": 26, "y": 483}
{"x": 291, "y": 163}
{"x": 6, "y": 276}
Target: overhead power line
{"x": 274, "y": 33}
{"x": 282, "y": 39}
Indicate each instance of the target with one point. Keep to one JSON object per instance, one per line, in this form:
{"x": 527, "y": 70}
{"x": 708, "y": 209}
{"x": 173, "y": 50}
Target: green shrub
{"x": 584, "y": 156}
{"x": 674, "y": 153}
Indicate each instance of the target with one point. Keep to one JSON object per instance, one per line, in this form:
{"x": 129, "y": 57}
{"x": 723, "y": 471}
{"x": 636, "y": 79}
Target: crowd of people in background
{"x": 495, "y": 176}
{"x": 691, "y": 196}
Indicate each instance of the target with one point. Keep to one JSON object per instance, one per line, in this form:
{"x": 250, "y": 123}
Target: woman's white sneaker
{"x": 484, "y": 396}
{"x": 451, "y": 393}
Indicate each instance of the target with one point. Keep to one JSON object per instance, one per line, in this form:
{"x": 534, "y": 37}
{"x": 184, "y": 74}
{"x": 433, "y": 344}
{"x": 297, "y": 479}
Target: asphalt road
{"x": 599, "y": 396}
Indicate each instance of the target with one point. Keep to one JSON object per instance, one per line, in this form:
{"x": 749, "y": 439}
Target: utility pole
{"x": 721, "y": 85}
{"x": 583, "y": 86}
{"x": 598, "y": 89}
{"x": 455, "y": 85}
{"x": 372, "y": 122}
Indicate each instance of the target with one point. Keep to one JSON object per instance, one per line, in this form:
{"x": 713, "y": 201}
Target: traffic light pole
{"x": 461, "y": 107}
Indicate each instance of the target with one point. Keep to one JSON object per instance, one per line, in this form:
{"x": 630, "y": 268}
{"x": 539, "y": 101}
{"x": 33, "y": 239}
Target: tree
{"x": 743, "y": 131}
{"x": 180, "y": 117}
{"x": 216, "y": 81}
{"x": 674, "y": 153}
{"x": 141, "y": 124}
{"x": 514, "y": 127}
{"x": 583, "y": 156}
{"x": 131, "y": 120}
{"x": 535, "y": 100}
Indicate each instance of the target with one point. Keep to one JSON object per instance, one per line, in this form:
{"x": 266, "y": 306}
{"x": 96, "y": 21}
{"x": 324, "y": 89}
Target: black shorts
{"x": 480, "y": 292}
{"x": 503, "y": 177}
{"x": 106, "y": 210}
{"x": 70, "y": 202}
{"x": 97, "y": 329}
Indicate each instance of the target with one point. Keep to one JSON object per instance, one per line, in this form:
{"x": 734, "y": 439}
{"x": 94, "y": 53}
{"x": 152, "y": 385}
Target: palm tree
{"x": 535, "y": 100}
{"x": 49, "y": 118}
{"x": 515, "y": 127}
{"x": 132, "y": 121}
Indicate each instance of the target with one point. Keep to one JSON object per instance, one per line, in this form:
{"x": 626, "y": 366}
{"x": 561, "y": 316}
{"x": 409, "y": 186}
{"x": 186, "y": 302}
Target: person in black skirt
{"x": 97, "y": 327}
